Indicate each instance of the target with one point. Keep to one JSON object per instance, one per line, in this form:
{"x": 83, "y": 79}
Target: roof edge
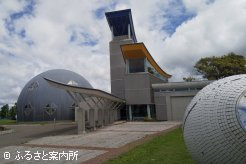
{"x": 57, "y": 84}
{"x": 114, "y": 14}
{"x": 156, "y": 66}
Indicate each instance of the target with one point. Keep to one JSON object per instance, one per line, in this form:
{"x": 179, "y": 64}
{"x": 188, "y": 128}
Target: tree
{"x": 12, "y": 112}
{"x": 4, "y": 111}
{"x": 189, "y": 79}
{"x": 214, "y": 68}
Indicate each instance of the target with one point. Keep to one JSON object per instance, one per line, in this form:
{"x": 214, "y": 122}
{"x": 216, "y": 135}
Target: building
{"x": 137, "y": 78}
{"x": 64, "y": 95}
{"x": 139, "y": 87}
{"x": 38, "y": 101}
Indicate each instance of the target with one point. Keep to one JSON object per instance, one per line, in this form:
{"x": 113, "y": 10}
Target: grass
{"x": 166, "y": 148}
{"x": 7, "y": 122}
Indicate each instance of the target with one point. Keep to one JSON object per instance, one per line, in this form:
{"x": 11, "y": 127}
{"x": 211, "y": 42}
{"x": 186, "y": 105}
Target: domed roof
{"x": 214, "y": 125}
{"x": 38, "y": 101}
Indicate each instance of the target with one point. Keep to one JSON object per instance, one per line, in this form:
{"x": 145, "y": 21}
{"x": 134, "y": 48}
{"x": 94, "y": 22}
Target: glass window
{"x": 241, "y": 109}
{"x": 153, "y": 71}
{"x": 136, "y": 65}
{"x": 152, "y": 111}
{"x": 139, "y": 111}
{"x": 124, "y": 112}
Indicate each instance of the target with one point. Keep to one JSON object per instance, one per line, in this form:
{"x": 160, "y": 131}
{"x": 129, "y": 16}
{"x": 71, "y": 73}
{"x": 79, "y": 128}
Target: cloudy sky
{"x": 39, "y": 35}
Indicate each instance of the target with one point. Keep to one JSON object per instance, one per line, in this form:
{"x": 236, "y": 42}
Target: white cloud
{"x": 49, "y": 28}
{"x": 217, "y": 28}
{"x": 198, "y": 5}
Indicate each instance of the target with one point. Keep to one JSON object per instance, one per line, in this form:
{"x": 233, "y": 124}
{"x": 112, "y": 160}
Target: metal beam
{"x": 86, "y": 91}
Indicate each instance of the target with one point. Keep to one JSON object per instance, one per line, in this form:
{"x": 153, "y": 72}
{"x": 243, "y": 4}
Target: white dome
{"x": 214, "y": 122}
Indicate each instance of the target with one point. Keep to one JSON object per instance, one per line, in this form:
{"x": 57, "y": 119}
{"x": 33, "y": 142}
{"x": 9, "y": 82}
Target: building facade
{"x": 171, "y": 99}
{"x": 137, "y": 78}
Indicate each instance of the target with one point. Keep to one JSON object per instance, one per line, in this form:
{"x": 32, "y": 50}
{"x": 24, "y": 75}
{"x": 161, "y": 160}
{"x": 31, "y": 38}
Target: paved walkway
{"x": 93, "y": 147}
{"x": 22, "y": 133}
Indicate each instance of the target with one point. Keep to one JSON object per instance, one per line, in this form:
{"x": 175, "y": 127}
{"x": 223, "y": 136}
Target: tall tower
{"x": 122, "y": 30}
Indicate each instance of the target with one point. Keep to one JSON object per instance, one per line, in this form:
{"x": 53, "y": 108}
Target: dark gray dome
{"x": 38, "y": 101}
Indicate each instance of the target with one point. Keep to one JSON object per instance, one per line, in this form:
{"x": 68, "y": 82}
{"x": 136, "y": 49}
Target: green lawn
{"x": 7, "y": 122}
{"x": 166, "y": 148}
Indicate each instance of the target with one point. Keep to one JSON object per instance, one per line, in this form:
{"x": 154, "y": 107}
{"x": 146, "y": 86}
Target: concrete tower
{"x": 132, "y": 68}
{"x": 122, "y": 29}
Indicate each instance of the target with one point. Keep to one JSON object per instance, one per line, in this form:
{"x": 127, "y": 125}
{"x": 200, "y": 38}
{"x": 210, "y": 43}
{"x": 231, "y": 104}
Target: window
{"x": 136, "y": 65}
{"x": 50, "y": 109}
{"x": 33, "y": 86}
{"x": 73, "y": 83}
{"x": 154, "y": 72}
{"x": 152, "y": 111}
{"x": 139, "y": 111}
{"x": 27, "y": 109}
{"x": 241, "y": 111}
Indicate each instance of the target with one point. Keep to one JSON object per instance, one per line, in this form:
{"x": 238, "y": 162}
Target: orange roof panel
{"x": 138, "y": 50}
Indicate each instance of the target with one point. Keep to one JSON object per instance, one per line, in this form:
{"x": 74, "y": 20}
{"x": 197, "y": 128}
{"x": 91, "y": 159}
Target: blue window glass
{"x": 136, "y": 65}
{"x": 241, "y": 111}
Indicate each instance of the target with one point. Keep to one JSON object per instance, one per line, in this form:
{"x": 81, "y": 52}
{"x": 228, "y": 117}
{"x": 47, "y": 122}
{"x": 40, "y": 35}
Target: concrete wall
{"x": 138, "y": 88}
{"x": 160, "y": 106}
{"x": 172, "y": 105}
{"x": 117, "y": 65}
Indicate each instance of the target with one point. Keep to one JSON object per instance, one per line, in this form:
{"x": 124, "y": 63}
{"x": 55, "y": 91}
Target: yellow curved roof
{"x": 138, "y": 50}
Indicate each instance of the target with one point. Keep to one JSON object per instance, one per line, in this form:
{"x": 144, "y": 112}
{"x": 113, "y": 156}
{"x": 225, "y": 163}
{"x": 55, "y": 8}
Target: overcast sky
{"x": 36, "y": 36}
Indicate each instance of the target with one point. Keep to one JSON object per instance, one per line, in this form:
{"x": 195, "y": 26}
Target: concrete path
{"x": 92, "y": 147}
{"x": 22, "y": 133}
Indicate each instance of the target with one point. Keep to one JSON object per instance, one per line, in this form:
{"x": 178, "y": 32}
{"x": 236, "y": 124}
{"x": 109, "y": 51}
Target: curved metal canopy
{"x": 138, "y": 50}
{"x": 90, "y": 99}
{"x": 85, "y": 91}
